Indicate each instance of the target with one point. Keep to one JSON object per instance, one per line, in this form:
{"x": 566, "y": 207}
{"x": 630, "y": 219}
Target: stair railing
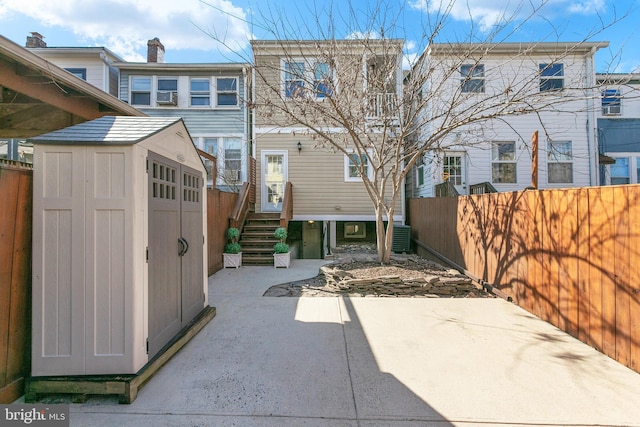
{"x": 287, "y": 205}
{"x": 446, "y": 189}
{"x": 241, "y": 209}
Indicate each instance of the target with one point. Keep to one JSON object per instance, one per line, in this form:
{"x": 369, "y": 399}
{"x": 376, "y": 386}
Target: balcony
{"x": 382, "y": 106}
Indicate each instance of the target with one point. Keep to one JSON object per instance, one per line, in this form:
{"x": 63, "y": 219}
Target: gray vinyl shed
{"x": 119, "y": 230}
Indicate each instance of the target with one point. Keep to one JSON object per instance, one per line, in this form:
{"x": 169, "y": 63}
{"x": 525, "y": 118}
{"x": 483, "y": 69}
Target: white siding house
{"x": 211, "y": 99}
{"x": 619, "y": 128}
{"x": 92, "y": 64}
{"x": 487, "y": 101}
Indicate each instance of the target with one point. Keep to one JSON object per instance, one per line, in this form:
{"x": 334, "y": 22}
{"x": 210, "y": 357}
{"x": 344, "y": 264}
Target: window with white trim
{"x": 294, "y": 79}
{"x": 200, "y": 92}
{"x": 559, "y": 162}
{"x": 620, "y": 171}
{"x": 80, "y": 73}
{"x": 551, "y": 77}
{"x": 141, "y": 90}
{"x": 420, "y": 171}
{"x": 472, "y": 78}
{"x": 611, "y": 102}
{"x": 354, "y": 164}
{"x": 227, "y": 91}
{"x": 322, "y": 80}
{"x": 310, "y": 78}
{"x": 503, "y": 162}
{"x": 232, "y": 156}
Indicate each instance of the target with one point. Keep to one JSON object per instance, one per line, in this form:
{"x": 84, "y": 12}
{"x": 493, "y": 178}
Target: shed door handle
{"x": 184, "y": 246}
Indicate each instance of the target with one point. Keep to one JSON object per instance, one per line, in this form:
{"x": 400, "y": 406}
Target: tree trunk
{"x": 383, "y": 238}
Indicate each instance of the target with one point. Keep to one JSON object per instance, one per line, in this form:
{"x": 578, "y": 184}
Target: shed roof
{"x": 108, "y": 130}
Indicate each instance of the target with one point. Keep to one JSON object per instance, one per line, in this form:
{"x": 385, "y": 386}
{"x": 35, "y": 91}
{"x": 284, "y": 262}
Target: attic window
{"x": 80, "y": 73}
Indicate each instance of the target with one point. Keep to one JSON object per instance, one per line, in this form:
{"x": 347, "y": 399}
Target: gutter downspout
{"x": 592, "y": 148}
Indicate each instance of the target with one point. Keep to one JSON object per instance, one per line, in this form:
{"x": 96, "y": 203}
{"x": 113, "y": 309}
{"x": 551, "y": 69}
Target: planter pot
{"x": 232, "y": 260}
{"x": 282, "y": 260}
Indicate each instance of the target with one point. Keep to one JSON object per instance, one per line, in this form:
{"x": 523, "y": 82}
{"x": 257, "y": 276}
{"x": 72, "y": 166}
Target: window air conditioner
{"x": 167, "y": 98}
{"x": 611, "y": 110}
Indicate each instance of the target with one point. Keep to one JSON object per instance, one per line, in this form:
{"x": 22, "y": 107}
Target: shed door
{"x": 175, "y": 249}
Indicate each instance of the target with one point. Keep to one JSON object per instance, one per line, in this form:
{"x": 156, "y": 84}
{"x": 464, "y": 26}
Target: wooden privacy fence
{"x": 571, "y": 257}
{"x": 16, "y": 186}
{"x": 219, "y": 206}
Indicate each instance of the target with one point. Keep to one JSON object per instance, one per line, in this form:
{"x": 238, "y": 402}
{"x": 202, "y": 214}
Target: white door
{"x": 454, "y": 167}
{"x": 274, "y": 179}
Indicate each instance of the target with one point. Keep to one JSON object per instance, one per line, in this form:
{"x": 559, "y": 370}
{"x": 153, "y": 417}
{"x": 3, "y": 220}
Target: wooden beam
{"x": 49, "y": 92}
{"x": 534, "y": 160}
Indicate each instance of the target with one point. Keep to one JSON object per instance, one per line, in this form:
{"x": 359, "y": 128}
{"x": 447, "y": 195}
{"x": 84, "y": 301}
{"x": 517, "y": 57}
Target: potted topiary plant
{"x": 232, "y": 255}
{"x": 281, "y": 254}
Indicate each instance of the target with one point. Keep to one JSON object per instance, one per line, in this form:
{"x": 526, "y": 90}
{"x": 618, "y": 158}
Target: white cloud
{"x": 125, "y": 26}
{"x": 489, "y": 13}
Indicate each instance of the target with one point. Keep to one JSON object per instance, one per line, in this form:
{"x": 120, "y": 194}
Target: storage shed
{"x": 119, "y": 226}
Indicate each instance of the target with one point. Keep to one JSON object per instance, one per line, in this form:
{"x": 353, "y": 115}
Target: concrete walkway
{"x": 372, "y": 362}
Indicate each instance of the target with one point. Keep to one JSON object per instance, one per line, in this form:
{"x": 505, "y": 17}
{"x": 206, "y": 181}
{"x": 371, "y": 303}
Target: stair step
{"x": 257, "y": 260}
{"x": 257, "y": 250}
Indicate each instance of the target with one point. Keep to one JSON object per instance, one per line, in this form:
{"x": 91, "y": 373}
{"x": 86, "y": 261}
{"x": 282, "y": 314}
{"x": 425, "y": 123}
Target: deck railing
{"x": 482, "y": 188}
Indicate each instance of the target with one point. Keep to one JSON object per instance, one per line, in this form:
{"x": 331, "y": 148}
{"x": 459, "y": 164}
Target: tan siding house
{"x": 325, "y": 187}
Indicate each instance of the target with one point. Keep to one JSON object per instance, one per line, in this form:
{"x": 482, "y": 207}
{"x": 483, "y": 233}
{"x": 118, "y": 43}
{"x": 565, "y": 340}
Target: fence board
{"x": 621, "y": 276}
{"x": 583, "y": 268}
{"x": 568, "y": 256}
{"x": 15, "y": 279}
{"x": 634, "y": 278}
{"x": 608, "y": 271}
{"x": 220, "y": 205}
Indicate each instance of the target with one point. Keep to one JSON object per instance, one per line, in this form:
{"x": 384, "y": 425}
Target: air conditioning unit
{"x": 611, "y": 110}
{"x": 401, "y": 240}
{"x": 167, "y": 98}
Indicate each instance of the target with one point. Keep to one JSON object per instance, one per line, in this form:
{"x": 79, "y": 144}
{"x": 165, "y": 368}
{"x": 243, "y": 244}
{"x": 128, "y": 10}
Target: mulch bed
{"x": 362, "y": 276}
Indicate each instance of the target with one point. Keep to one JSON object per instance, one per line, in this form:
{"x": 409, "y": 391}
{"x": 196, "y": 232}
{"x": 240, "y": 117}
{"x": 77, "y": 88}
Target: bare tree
{"x": 358, "y": 100}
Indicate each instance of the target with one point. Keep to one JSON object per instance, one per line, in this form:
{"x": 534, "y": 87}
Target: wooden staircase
{"x": 257, "y": 238}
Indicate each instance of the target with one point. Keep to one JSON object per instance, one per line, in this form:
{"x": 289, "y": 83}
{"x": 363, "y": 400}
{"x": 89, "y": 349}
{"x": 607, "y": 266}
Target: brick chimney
{"x": 36, "y": 40}
{"x": 155, "y": 50}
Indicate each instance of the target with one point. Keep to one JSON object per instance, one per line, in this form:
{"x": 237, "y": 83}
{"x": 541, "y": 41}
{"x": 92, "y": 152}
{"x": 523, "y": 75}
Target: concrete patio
{"x": 372, "y": 362}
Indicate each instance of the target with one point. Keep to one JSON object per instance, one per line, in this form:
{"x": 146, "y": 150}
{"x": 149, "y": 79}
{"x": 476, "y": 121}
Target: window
{"x": 420, "y": 171}
{"x": 210, "y": 145}
{"x": 140, "y": 90}
{"x": 353, "y": 163}
{"x": 503, "y": 162}
{"x": 551, "y": 77}
{"x": 167, "y": 84}
{"x": 355, "y": 230}
{"x": 611, "y": 102}
{"x": 472, "y": 78}
{"x": 294, "y": 79}
{"x": 80, "y": 73}
{"x": 322, "y": 80}
{"x": 200, "y": 92}
{"x": 620, "y": 171}
{"x": 227, "y": 91}
{"x": 559, "y": 162}
{"x": 232, "y": 160}
{"x": 452, "y": 166}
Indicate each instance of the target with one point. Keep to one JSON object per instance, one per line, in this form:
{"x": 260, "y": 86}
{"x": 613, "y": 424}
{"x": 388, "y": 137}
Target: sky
{"x": 209, "y": 31}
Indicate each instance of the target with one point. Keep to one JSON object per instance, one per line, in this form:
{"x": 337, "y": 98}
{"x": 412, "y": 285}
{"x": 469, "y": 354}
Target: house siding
{"x": 317, "y": 175}
{"x": 573, "y": 120}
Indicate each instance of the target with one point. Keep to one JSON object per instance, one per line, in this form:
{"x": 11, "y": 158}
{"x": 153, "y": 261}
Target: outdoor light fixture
{"x": 299, "y": 146}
